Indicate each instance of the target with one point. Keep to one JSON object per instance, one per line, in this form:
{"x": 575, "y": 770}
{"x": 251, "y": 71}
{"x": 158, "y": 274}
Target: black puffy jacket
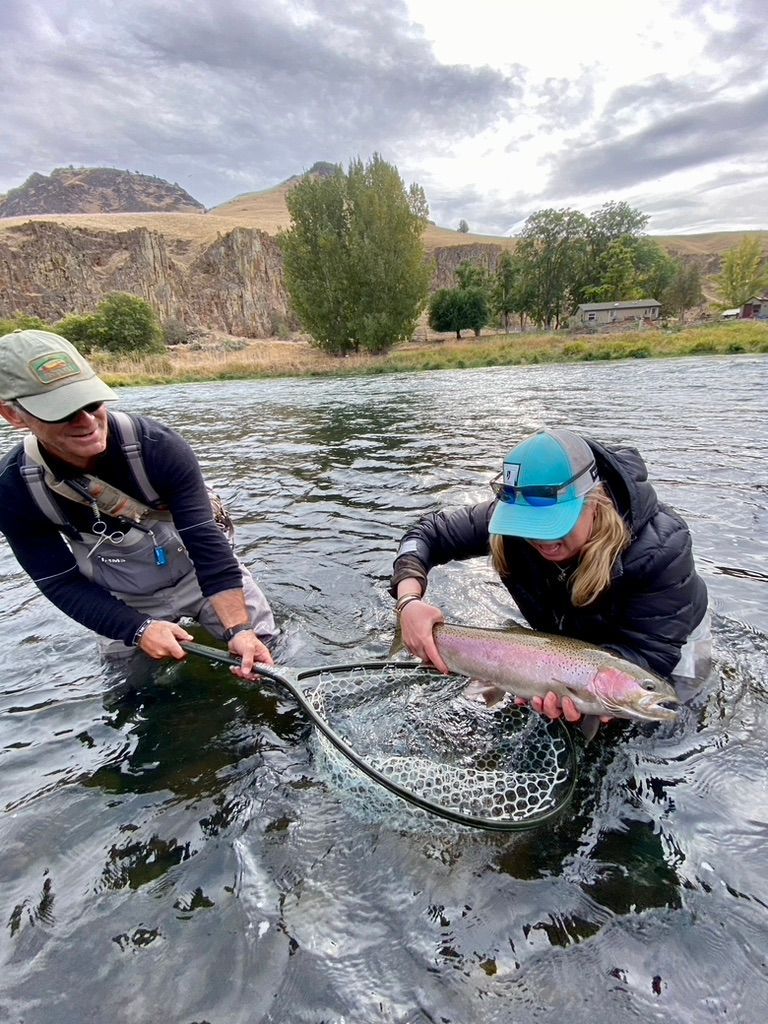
{"x": 655, "y": 600}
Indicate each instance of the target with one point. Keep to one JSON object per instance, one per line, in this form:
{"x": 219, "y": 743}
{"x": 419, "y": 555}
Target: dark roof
{"x": 639, "y": 304}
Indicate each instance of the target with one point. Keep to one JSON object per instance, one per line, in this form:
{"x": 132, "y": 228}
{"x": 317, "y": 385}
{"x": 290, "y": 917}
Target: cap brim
{"x": 63, "y": 401}
{"x": 550, "y": 522}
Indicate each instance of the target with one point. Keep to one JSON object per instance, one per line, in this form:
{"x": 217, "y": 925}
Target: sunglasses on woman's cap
{"x": 543, "y": 495}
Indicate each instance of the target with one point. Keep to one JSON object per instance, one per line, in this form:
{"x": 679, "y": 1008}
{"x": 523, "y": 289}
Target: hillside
{"x": 100, "y": 190}
{"x": 173, "y": 213}
{"x": 216, "y": 270}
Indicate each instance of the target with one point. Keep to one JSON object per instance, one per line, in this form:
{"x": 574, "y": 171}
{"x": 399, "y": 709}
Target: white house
{"x": 597, "y": 313}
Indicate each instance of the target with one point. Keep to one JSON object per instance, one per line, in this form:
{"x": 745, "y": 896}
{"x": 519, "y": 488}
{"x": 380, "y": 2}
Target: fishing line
{"x": 501, "y": 769}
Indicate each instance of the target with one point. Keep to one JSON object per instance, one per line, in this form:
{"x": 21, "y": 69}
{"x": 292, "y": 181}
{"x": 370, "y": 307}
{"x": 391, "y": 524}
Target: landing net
{"x": 498, "y": 768}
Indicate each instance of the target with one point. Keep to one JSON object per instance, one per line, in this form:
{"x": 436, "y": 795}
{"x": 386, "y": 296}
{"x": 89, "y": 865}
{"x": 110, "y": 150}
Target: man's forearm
{"x": 230, "y": 607}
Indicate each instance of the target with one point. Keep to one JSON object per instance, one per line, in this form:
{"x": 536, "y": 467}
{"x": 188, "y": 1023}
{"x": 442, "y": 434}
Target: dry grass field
{"x": 227, "y": 358}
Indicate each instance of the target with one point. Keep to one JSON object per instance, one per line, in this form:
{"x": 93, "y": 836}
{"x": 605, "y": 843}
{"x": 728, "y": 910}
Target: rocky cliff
{"x": 96, "y": 190}
{"x": 448, "y": 258}
{"x": 233, "y": 284}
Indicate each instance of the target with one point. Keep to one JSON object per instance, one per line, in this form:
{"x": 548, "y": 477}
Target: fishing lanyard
{"x": 101, "y": 530}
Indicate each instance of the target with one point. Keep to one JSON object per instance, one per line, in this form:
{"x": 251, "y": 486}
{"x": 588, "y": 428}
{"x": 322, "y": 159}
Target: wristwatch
{"x": 239, "y": 628}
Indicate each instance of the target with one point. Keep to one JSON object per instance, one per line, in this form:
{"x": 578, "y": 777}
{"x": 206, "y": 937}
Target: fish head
{"x": 637, "y": 694}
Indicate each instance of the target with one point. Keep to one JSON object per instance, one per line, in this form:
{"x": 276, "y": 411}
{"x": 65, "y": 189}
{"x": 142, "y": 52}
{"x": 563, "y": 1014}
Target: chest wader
{"x": 146, "y": 553}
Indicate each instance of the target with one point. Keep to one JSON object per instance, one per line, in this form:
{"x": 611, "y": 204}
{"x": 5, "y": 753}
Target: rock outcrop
{"x": 234, "y": 285}
{"x": 96, "y": 190}
{"x": 448, "y": 258}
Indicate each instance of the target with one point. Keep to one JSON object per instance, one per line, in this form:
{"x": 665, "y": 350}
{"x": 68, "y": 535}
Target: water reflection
{"x": 171, "y": 849}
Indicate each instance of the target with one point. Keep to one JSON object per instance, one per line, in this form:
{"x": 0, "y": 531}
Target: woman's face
{"x": 570, "y": 546}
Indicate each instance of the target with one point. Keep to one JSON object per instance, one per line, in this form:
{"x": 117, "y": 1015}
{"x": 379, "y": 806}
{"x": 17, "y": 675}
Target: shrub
{"x": 175, "y": 332}
{"x": 576, "y": 350}
{"x": 85, "y": 332}
{"x": 130, "y": 324}
{"x": 22, "y": 322}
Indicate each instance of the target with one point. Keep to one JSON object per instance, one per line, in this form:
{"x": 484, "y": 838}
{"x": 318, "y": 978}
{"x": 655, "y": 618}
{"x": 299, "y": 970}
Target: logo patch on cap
{"x": 511, "y": 473}
{"x": 54, "y": 366}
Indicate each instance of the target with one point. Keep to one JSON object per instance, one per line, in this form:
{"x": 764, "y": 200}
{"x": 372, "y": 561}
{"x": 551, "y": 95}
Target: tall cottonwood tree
{"x": 505, "y": 294}
{"x": 744, "y": 273}
{"x": 684, "y": 291}
{"x": 354, "y": 262}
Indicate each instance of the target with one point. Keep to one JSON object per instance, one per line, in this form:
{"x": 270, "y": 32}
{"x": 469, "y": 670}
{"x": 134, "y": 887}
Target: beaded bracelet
{"x": 404, "y": 600}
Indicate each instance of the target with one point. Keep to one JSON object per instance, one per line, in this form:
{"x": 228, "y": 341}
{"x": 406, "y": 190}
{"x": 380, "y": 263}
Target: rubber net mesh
{"x": 418, "y": 728}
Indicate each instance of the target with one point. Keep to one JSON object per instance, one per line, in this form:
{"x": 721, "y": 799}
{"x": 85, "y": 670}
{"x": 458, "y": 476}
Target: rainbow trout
{"x": 530, "y": 664}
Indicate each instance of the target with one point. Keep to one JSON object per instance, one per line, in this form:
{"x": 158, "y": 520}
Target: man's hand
{"x": 250, "y": 650}
{"x": 161, "y": 640}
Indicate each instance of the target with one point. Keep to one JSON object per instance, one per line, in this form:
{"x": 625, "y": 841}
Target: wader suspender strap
{"x": 129, "y": 442}
{"x": 33, "y": 475}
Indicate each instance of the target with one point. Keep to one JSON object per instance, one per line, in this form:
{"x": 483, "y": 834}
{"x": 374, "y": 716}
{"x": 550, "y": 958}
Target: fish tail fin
{"x": 589, "y": 726}
{"x": 397, "y": 642}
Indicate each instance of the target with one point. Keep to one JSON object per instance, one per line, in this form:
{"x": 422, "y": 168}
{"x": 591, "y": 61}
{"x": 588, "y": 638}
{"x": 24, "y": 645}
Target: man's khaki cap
{"x": 47, "y": 376}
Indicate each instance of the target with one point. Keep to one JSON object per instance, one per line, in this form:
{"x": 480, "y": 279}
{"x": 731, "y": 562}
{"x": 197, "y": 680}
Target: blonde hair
{"x": 609, "y": 537}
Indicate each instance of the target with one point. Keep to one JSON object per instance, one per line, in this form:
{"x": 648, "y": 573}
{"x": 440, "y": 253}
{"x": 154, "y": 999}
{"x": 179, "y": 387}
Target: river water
{"x": 171, "y": 851}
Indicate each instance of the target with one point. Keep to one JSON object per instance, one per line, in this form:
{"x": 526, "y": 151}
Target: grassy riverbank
{"x": 233, "y": 359}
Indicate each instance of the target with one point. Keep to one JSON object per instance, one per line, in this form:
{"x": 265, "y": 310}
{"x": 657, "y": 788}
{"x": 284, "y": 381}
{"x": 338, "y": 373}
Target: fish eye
{"x": 649, "y": 685}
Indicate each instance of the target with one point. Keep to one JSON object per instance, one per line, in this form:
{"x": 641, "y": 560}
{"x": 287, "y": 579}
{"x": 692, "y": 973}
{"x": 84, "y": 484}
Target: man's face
{"x": 78, "y": 441}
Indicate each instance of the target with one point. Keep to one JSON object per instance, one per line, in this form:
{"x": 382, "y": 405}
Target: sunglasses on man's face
{"x": 542, "y": 495}
{"x": 91, "y": 408}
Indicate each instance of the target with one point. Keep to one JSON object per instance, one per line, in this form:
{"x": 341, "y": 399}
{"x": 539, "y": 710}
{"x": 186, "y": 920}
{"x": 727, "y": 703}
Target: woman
{"x": 581, "y": 541}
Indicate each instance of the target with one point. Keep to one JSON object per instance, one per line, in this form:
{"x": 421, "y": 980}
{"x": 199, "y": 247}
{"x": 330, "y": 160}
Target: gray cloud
{"x": 702, "y": 134}
{"x": 228, "y": 94}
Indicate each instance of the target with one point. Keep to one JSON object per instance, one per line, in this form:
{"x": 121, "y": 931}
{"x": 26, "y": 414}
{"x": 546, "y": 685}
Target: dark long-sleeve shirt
{"x": 42, "y": 552}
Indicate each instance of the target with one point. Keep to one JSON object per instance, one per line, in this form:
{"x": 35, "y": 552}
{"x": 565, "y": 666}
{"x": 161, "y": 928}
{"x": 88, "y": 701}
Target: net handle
{"x": 488, "y": 824}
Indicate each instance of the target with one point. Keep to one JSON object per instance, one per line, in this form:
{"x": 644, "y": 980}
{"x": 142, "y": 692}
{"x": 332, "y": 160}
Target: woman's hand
{"x": 555, "y": 707}
{"x": 417, "y": 620}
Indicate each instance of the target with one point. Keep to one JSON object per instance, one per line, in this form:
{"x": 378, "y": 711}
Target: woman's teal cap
{"x": 542, "y": 486}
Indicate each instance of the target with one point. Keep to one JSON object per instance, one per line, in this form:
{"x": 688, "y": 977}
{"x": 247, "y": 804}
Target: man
{"x": 110, "y": 516}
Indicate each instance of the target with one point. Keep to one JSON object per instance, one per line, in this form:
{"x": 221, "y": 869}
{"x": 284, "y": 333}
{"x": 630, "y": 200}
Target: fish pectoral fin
{"x": 589, "y": 726}
{"x": 397, "y": 644}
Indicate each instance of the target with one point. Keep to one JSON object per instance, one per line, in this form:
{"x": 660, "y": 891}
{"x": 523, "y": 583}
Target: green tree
{"x": 472, "y": 275}
{"x": 417, "y": 201}
{"x": 744, "y": 274}
{"x": 463, "y": 227}
{"x": 684, "y": 290}
{"x": 553, "y": 251}
{"x": 354, "y": 260}
{"x": 505, "y": 292}
{"x": 617, "y": 274}
{"x": 613, "y": 222}
{"x": 655, "y": 269}
{"x": 457, "y": 309}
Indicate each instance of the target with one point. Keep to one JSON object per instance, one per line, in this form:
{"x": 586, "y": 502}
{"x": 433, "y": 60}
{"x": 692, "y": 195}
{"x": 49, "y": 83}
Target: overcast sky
{"x": 497, "y": 108}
